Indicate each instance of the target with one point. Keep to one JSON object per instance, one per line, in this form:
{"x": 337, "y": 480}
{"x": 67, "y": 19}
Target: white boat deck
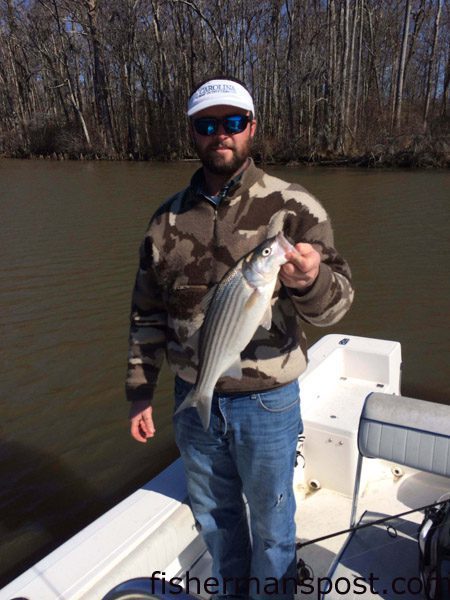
{"x": 153, "y": 530}
{"x": 325, "y": 511}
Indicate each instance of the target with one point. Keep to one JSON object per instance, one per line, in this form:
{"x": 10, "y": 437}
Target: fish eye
{"x": 266, "y": 251}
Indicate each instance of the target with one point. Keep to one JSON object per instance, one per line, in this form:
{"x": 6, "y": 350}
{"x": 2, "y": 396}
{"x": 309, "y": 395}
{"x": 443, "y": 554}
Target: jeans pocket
{"x": 280, "y": 399}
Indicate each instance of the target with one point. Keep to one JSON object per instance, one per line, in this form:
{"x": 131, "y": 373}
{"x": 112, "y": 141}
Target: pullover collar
{"x": 233, "y": 188}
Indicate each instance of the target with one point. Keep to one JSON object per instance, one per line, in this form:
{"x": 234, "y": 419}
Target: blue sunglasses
{"x": 231, "y": 124}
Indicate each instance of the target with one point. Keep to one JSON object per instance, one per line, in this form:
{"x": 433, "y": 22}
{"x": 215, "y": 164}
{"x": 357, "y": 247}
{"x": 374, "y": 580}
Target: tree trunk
{"x": 358, "y": 71}
{"x": 344, "y": 74}
{"x": 431, "y": 64}
{"x": 350, "y": 88}
{"x": 401, "y": 68}
{"x": 100, "y": 85}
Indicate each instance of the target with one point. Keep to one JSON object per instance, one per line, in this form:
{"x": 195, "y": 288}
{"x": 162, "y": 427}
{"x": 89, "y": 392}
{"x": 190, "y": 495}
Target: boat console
{"x": 342, "y": 371}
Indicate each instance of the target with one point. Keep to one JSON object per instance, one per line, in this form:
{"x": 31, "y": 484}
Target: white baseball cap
{"x": 220, "y": 91}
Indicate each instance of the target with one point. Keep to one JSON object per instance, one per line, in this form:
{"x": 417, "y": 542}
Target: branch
{"x": 207, "y": 21}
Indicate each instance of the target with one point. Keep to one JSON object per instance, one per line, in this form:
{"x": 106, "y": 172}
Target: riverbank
{"x": 417, "y": 152}
{"x": 402, "y": 151}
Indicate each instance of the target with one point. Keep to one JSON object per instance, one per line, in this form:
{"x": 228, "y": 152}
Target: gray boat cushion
{"x": 411, "y": 432}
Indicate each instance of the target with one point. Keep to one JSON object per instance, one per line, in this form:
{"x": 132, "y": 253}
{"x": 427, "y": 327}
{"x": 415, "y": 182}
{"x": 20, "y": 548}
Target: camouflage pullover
{"x": 191, "y": 243}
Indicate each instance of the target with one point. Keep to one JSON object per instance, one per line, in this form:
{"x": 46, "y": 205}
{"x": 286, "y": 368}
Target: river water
{"x": 69, "y": 236}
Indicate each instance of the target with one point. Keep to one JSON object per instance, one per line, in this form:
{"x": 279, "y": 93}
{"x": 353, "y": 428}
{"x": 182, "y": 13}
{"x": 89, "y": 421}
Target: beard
{"x": 224, "y": 165}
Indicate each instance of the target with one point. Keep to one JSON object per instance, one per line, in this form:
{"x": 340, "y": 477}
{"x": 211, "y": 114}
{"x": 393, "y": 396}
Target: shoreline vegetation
{"x": 419, "y": 153}
{"x": 335, "y": 82}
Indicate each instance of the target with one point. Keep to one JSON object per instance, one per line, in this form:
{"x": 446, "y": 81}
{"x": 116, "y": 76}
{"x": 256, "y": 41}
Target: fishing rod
{"x": 374, "y": 522}
{"x": 305, "y": 572}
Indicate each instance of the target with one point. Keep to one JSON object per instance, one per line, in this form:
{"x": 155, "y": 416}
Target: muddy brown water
{"x": 69, "y": 238}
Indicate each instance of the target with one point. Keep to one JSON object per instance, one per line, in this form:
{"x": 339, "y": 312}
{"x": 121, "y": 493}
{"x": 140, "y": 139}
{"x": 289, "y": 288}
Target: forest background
{"x": 334, "y": 81}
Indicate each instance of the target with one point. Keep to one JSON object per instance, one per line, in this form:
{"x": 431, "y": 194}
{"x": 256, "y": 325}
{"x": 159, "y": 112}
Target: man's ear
{"x": 253, "y": 128}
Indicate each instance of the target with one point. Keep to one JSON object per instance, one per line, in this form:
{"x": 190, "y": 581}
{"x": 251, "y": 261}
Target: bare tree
{"x": 109, "y": 78}
{"x": 401, "y": 68}
{"x": 431, "y": 64}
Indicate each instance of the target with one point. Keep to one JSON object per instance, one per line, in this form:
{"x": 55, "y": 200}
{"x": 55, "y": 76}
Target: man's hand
{"x": 303, "y": 267}
{"x": 141, "y": 419}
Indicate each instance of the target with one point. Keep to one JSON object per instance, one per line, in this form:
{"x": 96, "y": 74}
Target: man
{"x": 249, "y": 448}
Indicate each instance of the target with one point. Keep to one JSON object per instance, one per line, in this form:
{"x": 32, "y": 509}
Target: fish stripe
{"x": 210, "y": 341}
{"x": 219, "y": 318}
{"x": 220, "y": 328}
{"x": 235, "y": 299}
{"x": 214, "y": 334}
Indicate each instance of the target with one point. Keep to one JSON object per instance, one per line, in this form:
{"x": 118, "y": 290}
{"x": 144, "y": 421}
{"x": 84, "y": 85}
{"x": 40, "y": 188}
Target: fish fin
{"x": 190, "y": 400}
{"x": 204, "y": 411}
{"x": 266, "y": 321}
{"x": 251, "y": 300}
{"x": 202, "y": 403}
{"x": 207, "y": 298}
{"x": 200, "y": 317}
{"x": 234, "y": 371}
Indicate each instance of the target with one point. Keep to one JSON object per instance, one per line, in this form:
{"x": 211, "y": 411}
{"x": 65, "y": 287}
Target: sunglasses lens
{"x": 205, "y": 126}
{"x": 235, "y": 123}
{"x": 232, "y": 124}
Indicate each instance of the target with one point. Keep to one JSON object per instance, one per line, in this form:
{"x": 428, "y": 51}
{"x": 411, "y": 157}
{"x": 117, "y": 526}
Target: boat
{"x": 367, "y": 456}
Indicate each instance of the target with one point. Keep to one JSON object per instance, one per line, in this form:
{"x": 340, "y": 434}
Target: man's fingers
{"x": 302, "y": 267}
{"x": 142, "y": 430}
{"x": 295, "y": 262}
{"x": 305, "y": 258}
{"x": 304, "y": 248}
{"x": 146, "y": 424}
{"x": 295, "y": 259}
{"x": 136, "y": 432}
{"x": 290, "y": 280}
{"x": 298, "y": 264}
{"x": 142, "y": 426}
{"x": 292, "y": 270}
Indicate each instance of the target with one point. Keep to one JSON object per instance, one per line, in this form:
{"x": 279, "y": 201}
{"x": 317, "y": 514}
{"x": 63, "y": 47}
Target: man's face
{"x": 223, "y": 153}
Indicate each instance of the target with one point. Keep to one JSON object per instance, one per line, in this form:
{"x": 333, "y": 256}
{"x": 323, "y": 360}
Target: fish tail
{"x": 190, "y": 400}
{"x": 203, "y": 404}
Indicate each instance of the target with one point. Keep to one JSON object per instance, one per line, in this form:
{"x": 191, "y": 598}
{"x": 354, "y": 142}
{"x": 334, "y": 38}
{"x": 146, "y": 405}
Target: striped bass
{"x": 237, "y": 306}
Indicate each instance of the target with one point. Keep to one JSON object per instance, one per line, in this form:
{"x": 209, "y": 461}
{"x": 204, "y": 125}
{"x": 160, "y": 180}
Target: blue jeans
{"x": 249, "y": 449}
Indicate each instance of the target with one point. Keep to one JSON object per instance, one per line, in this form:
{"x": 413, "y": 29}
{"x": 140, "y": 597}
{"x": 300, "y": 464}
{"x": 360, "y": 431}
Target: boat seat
{"x": 407, "y": 431}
